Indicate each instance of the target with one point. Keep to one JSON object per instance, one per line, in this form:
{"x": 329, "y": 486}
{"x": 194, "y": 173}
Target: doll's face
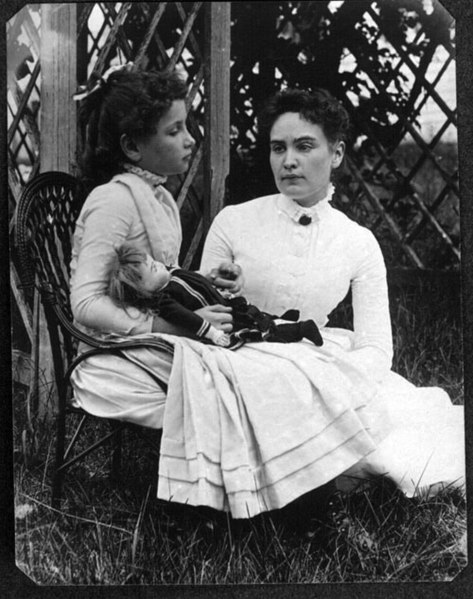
{"x": 154, "y": 276}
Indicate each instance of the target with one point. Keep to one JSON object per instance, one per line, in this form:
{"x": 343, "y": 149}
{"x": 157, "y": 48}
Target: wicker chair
{"x": 46, "y": 214}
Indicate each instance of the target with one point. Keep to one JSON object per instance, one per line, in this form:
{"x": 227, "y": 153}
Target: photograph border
{"x": 13, "y": 583}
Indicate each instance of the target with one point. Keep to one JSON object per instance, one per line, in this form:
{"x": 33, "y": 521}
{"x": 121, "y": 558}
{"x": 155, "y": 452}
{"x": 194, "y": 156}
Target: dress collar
{"x": 295, "y": 211}
{"x": 148, "y": 176}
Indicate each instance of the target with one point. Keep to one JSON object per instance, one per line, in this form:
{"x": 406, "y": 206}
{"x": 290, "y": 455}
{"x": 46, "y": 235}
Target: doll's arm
{"x": 177, "y": 314}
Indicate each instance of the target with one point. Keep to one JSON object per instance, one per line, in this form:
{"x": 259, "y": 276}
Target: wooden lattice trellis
{"x": 407, "y": 210}
{"x": 403, "y": 178}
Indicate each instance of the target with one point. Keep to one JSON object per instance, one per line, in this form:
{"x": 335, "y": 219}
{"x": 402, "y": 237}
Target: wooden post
{"x": 58, "y": 143}
{"x": 217, "y": 110}
{"x": 58, "y": 83}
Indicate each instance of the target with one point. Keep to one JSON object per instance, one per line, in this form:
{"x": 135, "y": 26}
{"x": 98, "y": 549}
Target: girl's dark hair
{"x": 318, "y": 107}
{"x": 131, "y": 101}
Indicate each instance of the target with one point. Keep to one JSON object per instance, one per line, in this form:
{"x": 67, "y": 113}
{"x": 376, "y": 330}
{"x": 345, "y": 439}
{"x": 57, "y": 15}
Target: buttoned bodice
{"x": 310, "y": 268}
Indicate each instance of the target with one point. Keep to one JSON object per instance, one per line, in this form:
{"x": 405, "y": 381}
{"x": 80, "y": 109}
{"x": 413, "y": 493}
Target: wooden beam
{"x": 24, "y": 309}
{"x": 217, "y": 109}
{"x": 58, "y": 147}
{"x": 58, "y": 83}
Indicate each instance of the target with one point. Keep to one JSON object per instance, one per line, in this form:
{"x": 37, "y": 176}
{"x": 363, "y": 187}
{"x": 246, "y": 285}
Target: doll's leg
{"x": 292, "y": 315}
{"x": 247, "y": 336}
{"x": 290, "y": 332}
{"x": 311, "y": 332}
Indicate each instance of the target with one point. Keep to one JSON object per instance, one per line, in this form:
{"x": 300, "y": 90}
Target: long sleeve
{"x": 371, "y": 318}
{"x": 218, "y": 244}
{"x": 107, "y": 220}
{"x": 174, "y": 312}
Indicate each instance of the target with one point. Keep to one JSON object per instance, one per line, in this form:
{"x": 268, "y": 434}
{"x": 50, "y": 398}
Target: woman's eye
{"x": 277, "y": 149}
{"x": 305, "y": 147}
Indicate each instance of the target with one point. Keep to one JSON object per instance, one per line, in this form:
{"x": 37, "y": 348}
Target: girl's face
{"x": 169, "y": 150}
{"x": 302, "y": 158}
{"x": 154, "y": 277}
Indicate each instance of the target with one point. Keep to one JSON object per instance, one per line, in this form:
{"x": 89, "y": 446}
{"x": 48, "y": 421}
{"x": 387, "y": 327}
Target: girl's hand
{"x": 219, "y": 316}
{"x": 227, "y": 276}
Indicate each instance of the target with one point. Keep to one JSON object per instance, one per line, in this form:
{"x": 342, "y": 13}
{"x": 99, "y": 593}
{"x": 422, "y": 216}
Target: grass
{"x": 119, "y": 533}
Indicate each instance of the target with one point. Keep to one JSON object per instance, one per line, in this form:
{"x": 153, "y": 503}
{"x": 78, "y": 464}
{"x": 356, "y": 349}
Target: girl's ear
{"x": 129, "y": 148}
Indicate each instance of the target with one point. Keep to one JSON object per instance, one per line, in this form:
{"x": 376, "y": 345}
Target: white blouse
{"x": 310, "y": 268}
{"x": 111, "y": 216}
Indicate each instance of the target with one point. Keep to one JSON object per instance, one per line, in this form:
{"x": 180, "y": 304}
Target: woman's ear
{"x": 338, "y": 154}
{"x": 130, "y": 148}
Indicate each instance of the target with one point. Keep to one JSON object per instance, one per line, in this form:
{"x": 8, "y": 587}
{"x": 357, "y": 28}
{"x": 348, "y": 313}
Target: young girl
{"x": 173, "y": 293}
{"x": 135, "y": 137}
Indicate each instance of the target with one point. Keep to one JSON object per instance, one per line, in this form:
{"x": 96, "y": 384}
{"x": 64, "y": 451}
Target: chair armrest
{"x": 116, "y": 348}
{"x": 50, "y": 299}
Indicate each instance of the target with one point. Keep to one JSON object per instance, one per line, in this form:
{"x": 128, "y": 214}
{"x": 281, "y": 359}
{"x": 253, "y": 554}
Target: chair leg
{"x": 58, "y": 476}
{"x": 116, "y": 451}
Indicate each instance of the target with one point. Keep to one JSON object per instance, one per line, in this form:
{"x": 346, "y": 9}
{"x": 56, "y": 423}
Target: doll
{"x": 174, "y": 293}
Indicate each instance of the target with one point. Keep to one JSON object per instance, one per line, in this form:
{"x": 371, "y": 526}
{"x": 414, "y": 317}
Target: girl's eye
{"x": 176, "y": 130}
{"x": 277, "y": 149}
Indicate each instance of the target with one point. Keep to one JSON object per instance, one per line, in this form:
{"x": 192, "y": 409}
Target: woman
{"x": 295, "y": 250}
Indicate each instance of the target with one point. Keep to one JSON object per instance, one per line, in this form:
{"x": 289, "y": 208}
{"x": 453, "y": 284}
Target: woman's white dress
{"x": 288, "y": 265}
{"x": 251, "y": 430}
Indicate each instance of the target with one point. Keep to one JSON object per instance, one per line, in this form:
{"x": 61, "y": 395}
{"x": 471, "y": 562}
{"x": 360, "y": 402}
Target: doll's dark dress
{"x": 188, "y": 291}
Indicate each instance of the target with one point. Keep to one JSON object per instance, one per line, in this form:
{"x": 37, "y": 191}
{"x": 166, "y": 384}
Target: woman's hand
{"x": 219, "y": 316}
{"x": 227, "y": 276}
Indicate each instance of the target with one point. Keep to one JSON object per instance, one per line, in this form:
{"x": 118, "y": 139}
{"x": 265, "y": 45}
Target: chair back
{"x": 45, "y": 219}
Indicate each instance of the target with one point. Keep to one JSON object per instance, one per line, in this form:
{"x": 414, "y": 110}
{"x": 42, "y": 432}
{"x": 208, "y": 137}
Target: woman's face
{"x": 168, "y": 151}
{"x": 302, "y": 158}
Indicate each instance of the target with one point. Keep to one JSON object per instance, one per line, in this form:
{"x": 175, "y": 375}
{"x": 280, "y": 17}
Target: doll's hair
{"x": 130, "y": 101}
{"x": 125, "y": 276}
{"x": 318, "y": 107}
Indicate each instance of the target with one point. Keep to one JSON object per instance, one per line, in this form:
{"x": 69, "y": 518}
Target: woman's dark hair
{"x": 130, "y": 101}
{"x": 318, "y": 107}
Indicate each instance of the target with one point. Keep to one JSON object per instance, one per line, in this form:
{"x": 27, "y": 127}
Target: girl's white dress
{"x": 251, "y": 430}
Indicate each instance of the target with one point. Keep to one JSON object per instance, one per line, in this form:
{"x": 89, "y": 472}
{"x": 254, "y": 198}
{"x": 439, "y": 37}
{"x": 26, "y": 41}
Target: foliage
{"x": 304, "y": 44}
